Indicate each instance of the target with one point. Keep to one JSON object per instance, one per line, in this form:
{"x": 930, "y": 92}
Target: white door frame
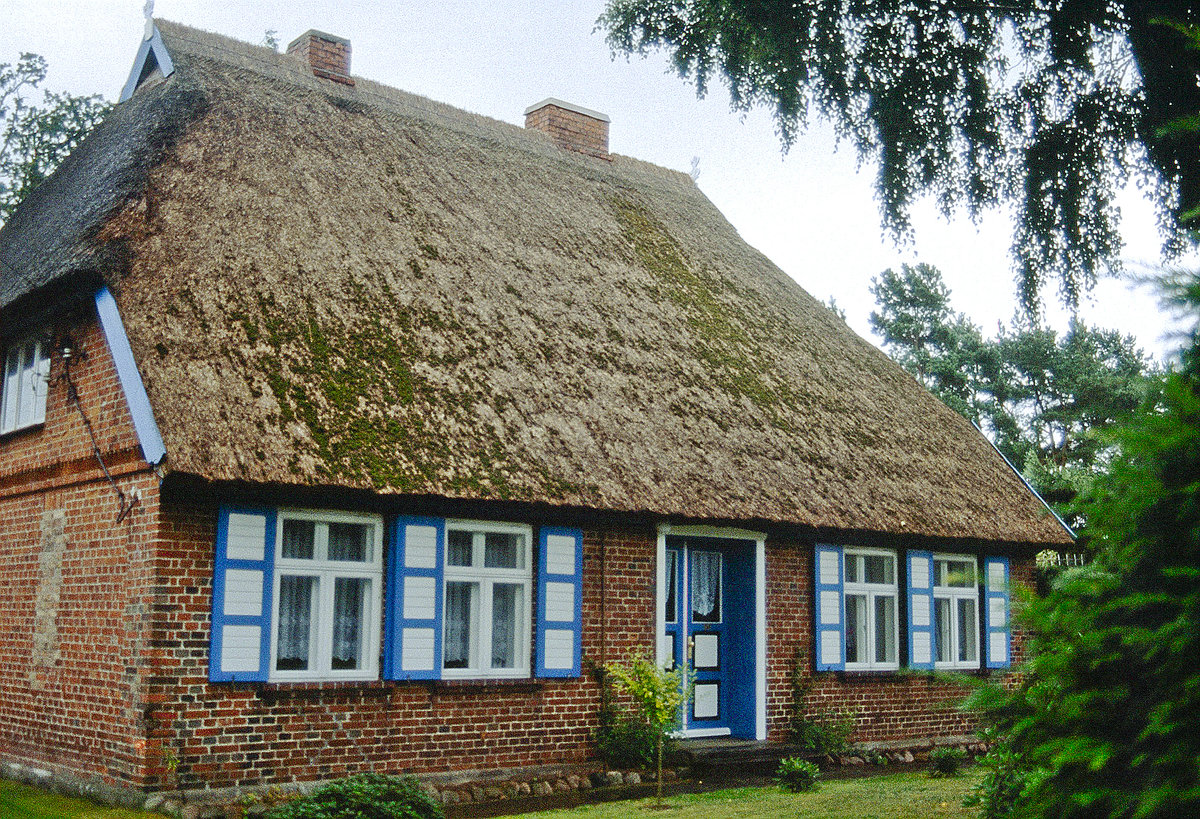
{"x": 760, "y": 615}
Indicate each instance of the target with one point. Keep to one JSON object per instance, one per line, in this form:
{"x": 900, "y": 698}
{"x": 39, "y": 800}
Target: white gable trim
{"x": 144, "y": 424}
{"x": 152, "y": 48}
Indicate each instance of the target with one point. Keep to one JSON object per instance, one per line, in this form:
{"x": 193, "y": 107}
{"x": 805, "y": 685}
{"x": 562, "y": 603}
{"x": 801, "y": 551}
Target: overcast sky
{"x": 812, "y": 212}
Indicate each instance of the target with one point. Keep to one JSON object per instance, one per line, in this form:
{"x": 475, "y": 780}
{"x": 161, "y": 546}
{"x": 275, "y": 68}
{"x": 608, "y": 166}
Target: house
{"x": 342, "y": 430}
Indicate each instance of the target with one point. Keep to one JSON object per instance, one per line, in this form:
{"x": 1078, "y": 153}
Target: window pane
{"x": 885, "y": 629}
{"x": 941, "y": 612}
{"x": 880, "y": 569}
{"x": 853, "y": 569}
{"x": 458, "y": 548}
{"x": 350, "y": 595}
{"x": 350, "y": 541}
{"x": 706, "y": 586}
{"x": 29, "y": 386}
{"x": 456, "y": 647}
{"x": 968, "y": 636}
{"x": 295, "y": 622}
{"x": 506, "y": 613}
{"x": 298, "y": 539}
{"x": 12, "y": 382}
{"x": 672, "y": 612}
{"x": 503, "y": 550}
{"x": 955, "y": 574}
{"x": 856, "y": 628}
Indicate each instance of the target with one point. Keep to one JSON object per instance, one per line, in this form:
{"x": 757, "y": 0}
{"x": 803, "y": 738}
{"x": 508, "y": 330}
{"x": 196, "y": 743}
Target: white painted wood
{"x": 831, "y": 647}
{"x": 559, "y": 648}
{"x": 920, "y": 611}
{"x": 420, "y": 598}
{"x": 706, "y": 651}
{"x": 760, "y": 639}
{"x": 560, "y": 602}
{"x": 831, "y": 608}
{"x": 920, "y": 570}
{"x": 704, "y": 701}
{"x": 416, "y": 653}
{"x": 241, "y": 648}
{"x": 997, "y": 613}
{"x": 829, "y": 568}
{"x": 420, "y": 547}
{"x": 560, "y": 554}
{"x": 999, "y": 647}
{"x": 922, "y": 647}
{"x": 996, "y": 576}
{"x": 665, "y": 648}
{"x": 246, "y": 537}
{"x": 243, "y": 592}
{"x": 700, "y": 733}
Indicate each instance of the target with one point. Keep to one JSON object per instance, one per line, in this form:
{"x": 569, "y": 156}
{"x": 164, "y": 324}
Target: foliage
{"x": 1004, "y": 779}
{"x": 1044, "y": 399}
{"x": 1044, "y": 106}
{"x": 945, "y": 761}
{"x": 797, "y": 775}
{"x": 818, "y": 731}
{"x": 36, "y": 137}
{"x": 657, "y": 694}
{"x": 363, "y": 796}
{"x": 624, "y": 741}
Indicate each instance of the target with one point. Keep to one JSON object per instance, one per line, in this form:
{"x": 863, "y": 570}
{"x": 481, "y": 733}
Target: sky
{"x": 811, "y": 211}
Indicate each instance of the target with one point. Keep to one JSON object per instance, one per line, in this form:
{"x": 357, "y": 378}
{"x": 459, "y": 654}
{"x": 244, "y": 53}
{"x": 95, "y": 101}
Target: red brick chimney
{"x": 329, "y": 56}
{"x": 570, "y": 126}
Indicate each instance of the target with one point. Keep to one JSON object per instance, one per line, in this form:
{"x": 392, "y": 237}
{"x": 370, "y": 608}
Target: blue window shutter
{"x": 829, "y": 608}
{"x": 243, "y": 580}
{"x": 558, "y": 650}
{"x": 413, "y": 622}
{"x": 996, "y": 611}
{"x": 922, "y": 636}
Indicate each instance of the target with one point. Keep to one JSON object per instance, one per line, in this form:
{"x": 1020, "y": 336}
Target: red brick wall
{"x": 571, "y": 130}
{"x": 888, "y": 706}
{"x": 75, "y": 583}
{"x": 230, "y": 734}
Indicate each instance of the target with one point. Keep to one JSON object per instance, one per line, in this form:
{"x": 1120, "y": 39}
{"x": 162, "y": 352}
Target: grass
{"x": 893, "y": 796}
{"x": 25, "y": 802}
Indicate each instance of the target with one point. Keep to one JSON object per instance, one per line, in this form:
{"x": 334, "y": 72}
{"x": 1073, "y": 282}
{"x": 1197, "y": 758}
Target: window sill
{"x": 19, "y": 431}
{"x": 279, "y": 691}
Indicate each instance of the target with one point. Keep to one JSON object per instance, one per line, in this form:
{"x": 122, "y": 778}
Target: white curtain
{"x": 504, "y": 625}
{"x": 347, "y": 621}
{"x": 706, "y": 582}
{"x": 457, "y": 647}
{"x": 295, "y": 613}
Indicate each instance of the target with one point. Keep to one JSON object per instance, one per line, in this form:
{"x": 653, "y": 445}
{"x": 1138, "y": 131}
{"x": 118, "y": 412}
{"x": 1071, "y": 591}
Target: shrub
{"x": 797, "y": 775}
{"x": 363, "y": 796}
{"x": 625, "y": 742}
{"x": 946, "y": 761}
{"x": 1004, "y": 779}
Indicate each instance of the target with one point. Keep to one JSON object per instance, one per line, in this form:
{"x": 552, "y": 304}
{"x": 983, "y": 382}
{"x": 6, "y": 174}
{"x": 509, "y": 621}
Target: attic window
{"x": 26, "y": 381}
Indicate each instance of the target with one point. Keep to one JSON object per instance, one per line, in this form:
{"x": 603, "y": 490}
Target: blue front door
{"x": 710, "y": 626}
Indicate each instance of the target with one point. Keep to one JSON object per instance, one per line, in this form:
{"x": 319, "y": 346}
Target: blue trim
{"x": 576, "y": 625}
{"x": 395, "y": 621}
{"x": 142, "y": 414}
{"x": 927, "y": 593}
{"x": 820, "y": 628}
{"x": 990, "y": 594}
{"x": 152, "y": 45}
{"x": 221, "y": 564}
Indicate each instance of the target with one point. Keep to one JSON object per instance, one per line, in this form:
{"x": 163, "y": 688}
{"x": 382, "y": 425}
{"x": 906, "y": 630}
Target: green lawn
{"x": 893, "y": 796}
{"x": 24, "y": 802}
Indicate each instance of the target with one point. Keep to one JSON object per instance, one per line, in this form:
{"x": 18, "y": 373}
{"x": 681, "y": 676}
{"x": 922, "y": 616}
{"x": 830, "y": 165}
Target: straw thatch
{"x": 358, "y": 287}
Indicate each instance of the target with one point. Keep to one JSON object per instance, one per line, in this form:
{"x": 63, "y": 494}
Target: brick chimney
{"x": 329, "y": 56}
{"x": 570, "y": 126}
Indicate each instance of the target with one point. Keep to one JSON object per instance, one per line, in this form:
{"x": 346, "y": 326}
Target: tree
{"x": 36, "y": 137}
{"x": 1044, "y": 399}
{"x": 1045, "y": 105}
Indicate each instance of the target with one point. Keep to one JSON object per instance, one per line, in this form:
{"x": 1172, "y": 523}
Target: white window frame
{"x": 481, "y": 613}
{"x": 24, "y": 384}
{"x": 327, "y": 571}
{"x": 872, "y": 591}
{"x": 954, "y": 594}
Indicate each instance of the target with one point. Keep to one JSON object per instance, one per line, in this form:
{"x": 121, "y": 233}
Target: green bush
{"x": 797, "y": 775}
{"x": 363, "y": 796}
{"x": 625, "y": 742}
{"x": 1004, "y": 779}
{"x": 946, "y": 761}
{"x": 822, "y": 732}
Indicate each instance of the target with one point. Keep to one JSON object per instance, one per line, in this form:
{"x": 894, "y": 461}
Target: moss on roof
{"x": 357, "y": 287}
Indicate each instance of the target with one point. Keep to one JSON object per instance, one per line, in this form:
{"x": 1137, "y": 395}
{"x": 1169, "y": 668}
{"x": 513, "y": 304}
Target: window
{"x": 328, "y": 584}
{"x": 955, "y": 611}
{"x": 487, "y": 600}
{"x": 26, "y": 380}
{"x": 871, "y": 596}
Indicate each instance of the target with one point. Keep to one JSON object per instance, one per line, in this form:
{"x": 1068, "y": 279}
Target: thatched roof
{"x": 354, "y": 286}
